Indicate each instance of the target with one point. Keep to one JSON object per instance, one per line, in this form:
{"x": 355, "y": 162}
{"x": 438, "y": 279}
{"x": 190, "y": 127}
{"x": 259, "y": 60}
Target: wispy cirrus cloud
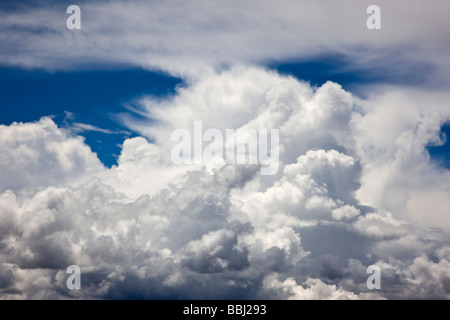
{"x": 80, "y": 127}
{"x": 185, "y": 38}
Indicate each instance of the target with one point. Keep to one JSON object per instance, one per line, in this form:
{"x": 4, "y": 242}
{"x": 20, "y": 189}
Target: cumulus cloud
{"x": 391, "y": 132}
{"x": 148, "y": 228}
{"x": 40, "y": 154}
{"x": 314, "y": 289}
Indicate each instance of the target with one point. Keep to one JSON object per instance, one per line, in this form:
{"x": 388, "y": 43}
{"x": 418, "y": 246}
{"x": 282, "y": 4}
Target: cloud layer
{"x": 190, "y": 38}
{"x": 147, "y": 228}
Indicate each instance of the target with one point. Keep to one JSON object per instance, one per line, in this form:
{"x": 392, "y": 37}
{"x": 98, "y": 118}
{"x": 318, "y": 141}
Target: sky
{"x": 87, "y": 175}
{"x": 93, "y": 98}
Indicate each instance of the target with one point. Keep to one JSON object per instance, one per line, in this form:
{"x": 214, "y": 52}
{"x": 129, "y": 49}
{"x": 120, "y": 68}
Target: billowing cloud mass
{"x": 147, "y": 228}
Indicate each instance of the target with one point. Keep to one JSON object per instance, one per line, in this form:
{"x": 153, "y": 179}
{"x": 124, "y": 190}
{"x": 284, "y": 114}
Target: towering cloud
{"x": 148, "y": 228}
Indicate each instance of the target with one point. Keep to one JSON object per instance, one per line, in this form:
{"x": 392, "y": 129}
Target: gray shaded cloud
{"x": 150, "y": 229}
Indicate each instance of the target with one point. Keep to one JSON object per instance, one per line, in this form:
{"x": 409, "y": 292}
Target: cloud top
{"x": 148, "y": 228}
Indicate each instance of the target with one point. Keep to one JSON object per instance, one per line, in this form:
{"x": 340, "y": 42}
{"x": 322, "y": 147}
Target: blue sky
{"x": 441, "y": 154}
{"x": 94, "y": 97}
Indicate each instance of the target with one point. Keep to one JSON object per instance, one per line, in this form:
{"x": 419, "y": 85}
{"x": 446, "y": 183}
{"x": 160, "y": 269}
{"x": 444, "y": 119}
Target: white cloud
{"x": 80, "y": 127}
{"x": 345, "y": 212}
{"x": 314, "y": 289}
{"x": 151, "y": 229}
{"x": 40, "y": 154}
{"x": 380, "y": 225}
{"x": 190, "y": 38}
{"x": 355, "y": 185}
{"x": 391, "y": 134}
